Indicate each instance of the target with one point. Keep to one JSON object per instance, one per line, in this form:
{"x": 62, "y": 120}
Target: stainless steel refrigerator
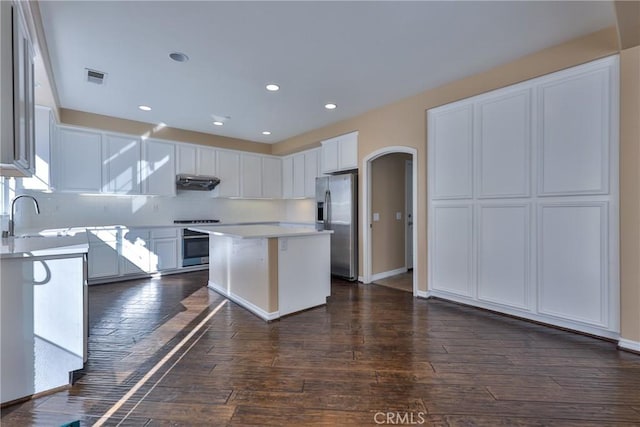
{"x": 337, "y": 210}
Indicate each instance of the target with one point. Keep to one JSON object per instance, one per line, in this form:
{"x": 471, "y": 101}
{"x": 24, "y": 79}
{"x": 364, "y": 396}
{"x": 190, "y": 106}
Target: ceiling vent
{"x": 96, "y": 77}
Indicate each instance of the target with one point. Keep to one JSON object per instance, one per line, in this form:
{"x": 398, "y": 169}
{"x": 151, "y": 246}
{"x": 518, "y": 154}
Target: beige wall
{"x": 388, "y": 197}
{"x": 113, "y": 124}
{"x": 630, "y": 193}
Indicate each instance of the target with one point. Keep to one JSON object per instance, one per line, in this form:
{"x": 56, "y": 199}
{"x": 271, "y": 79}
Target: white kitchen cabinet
{"x": 121, "y": 163}
{"x": 340, "y": 153}
{"x": 251, "y": 176}
{"x": 287, "y": 177}
{"x": 45, "y": 131}
{"x": 186, "y": 160}
{"x": 18, "y": 146}
{"x": 228, "y": 167}
{"x": 165, "y": 254}
{"x": 271, "y": 177}
{"x": 298, "y": 175}
{"x": 104, "y": 258}
{"x": 206, "y": 161}
{"x": 299, "y": 172}
{"x": 77, "y": 161}
{"x": 135, "y": 252}
{"x": 311, "y": 172}
{"x": 158, "y": 168}
{"x": 523, "y": 199}
{"x": 194, "y": 160}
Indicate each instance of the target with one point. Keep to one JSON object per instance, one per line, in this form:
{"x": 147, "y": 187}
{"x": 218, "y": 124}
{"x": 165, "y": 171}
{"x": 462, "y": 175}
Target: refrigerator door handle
{"x": 327, "y": 204}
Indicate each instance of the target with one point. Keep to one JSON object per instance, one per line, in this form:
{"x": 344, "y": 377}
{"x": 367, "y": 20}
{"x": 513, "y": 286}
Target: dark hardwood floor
{"x": 168, "y": 351}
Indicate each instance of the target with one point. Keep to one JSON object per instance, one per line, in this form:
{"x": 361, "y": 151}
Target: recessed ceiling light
{"x": 272, "y": 87}
{"x": 330, "y": 106}
{"x": 218, "y": 123}
{"x": 179, "y": 56}
{"x": 144, "y": 107}
{"x": 266, "y": 132}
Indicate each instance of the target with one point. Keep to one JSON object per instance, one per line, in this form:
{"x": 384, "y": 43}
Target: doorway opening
{"x": 389, "y": 224}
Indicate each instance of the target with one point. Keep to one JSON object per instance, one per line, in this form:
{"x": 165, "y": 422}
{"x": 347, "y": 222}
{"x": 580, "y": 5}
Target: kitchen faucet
{"x": 12, "y": 226}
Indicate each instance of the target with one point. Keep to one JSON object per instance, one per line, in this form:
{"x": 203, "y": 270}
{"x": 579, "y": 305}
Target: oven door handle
{"x": 194, "y": 237}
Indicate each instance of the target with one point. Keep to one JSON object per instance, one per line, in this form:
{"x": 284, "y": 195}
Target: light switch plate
{"x": 398, "y": 216}
{"x": 376, "y": 216}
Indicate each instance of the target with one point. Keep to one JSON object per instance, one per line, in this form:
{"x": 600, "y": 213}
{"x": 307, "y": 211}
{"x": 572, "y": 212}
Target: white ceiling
{"x": 360, "y": 55}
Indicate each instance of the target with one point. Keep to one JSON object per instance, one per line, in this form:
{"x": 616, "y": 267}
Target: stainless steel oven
{"x": 195, "y": 248}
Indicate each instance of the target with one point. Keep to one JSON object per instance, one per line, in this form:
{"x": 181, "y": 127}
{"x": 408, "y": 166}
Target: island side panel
{"x": 304, "y": 272}
{"x": 238, "y": 269}
{"x": 273, "y": 275}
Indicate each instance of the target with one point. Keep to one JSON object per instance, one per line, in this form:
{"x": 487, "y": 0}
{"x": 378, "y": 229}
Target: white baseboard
{"x": 423, "y": 294}
{"x": 244, "y": 303}
{"x": 629, "y": 345}
{"x": 385, "y": 274}
{"x": 361, "y": 279}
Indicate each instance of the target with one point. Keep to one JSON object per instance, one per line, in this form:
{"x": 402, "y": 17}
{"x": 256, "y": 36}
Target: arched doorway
{"x": 367, "y": 214}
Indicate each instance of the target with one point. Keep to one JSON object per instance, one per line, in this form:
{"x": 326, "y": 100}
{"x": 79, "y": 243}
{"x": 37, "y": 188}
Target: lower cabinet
{"x": 118, "y": 253}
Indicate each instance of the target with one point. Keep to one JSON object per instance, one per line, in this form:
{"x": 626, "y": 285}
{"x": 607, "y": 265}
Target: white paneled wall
{"x": 523, "y": 199}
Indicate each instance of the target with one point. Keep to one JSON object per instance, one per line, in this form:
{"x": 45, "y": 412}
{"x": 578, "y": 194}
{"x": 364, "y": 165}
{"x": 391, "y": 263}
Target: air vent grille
{"x": 96, "y": 77}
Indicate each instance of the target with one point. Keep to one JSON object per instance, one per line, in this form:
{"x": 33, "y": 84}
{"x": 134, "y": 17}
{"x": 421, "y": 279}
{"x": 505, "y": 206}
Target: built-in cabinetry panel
{"x": 535, "y": 232}
{"x": 340, "y": 153}
{"x": 251, "y": 176}
{"x": 271, "y": 177}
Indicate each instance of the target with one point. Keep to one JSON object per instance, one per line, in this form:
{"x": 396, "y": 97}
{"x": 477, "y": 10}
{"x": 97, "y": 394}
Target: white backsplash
{"x": 59, "y": 210}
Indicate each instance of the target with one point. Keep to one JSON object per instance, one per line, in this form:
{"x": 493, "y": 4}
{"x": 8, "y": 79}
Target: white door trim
{"x": 366, "y": 209}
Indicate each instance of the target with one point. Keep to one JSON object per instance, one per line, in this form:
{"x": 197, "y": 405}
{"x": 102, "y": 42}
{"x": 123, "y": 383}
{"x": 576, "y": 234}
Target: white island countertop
{"x": 43, "y": 246}
{"x": 258, "y": 231}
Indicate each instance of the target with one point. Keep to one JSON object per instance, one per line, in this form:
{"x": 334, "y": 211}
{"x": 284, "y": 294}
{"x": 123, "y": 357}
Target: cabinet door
{"x": 78, "y": 161}
{"x": 103, "y": 254}
{"x": 287, "y": 177}
{"x": 348, "y": 151}
{"x": 23, "y": 95}
{"x": 44, "y": 132}
{"x": 251, "y": 176}
{"x": 298, "y": 175}
{"x": 158, "y": 168}
{"x": 186, "y": 159}
{"x": 228, "y": 166}
{"x": 330, "y": 155}
{"x": 271, "y": 177}
{"x": 206, "y": 162}
{"x": 311, "y": 171}
{"x": 164, "y": 254}
{"x": 135, "y": 252}
{"x": 121, "y": 162}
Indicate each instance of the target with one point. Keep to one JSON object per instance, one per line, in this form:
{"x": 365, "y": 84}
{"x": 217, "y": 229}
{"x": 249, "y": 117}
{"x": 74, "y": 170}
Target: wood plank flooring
{"x": 373, "y": 355}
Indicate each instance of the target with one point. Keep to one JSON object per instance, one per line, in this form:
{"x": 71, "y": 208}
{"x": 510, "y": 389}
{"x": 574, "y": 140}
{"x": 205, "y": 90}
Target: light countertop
{"x": 43, "y": 246}
{"x": 258, "y": 231}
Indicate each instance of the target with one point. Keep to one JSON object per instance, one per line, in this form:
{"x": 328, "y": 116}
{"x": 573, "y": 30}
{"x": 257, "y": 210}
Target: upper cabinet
{"x": 299, "y": 172}
{"x": 18, "y": 134}
{"x": 251, "y": 176}
{"x": 271, "y": 177}
{"x": 77, "y": 161}
{"x": 121, "y": 165}
{"x": 228, "y": 170}
{"x": 340, "y": 153}
{"x": 158, "y": 168}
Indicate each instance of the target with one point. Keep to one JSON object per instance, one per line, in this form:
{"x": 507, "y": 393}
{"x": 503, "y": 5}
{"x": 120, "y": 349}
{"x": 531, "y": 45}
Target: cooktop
{"x": 196, "y": 221}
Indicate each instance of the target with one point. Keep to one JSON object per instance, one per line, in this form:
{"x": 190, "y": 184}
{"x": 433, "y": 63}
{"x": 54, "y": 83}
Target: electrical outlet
{"x": 156, "y": 208}
{"x": 398, "y": 216}
{"x": 376, "y": 216}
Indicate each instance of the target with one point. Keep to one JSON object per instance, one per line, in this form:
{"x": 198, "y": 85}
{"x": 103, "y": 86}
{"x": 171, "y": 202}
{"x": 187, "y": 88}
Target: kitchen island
{"x": 43, "y": 301}
{"x": 270, "y": 270}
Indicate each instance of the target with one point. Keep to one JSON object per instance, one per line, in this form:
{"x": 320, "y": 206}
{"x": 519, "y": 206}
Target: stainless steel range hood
{"x": 196, "y": 182}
